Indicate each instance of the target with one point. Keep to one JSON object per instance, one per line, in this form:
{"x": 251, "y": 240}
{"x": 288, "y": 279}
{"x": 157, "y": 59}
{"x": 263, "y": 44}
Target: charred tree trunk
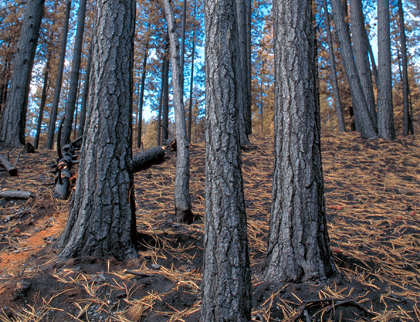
{"x": 140, "y": 112}
{"x": 85, "y": 94}
{"x": 165, "y": 103}
{"x": 102, "y": 220}
{"x": 298, "y": 243}
{"x": 42, "y": 105}
{"x": 159, "y": 131}
{"x": 191, "y": 82}
{"x": 74, "y": 75}
{"x": 226, "y": 286}
{"x": 57, "y": 92}
{"x": 13, "y": 120}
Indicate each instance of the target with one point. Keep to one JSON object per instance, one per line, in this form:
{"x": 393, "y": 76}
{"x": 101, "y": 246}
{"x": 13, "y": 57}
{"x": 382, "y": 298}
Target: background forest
{"x": 151, "y": 59}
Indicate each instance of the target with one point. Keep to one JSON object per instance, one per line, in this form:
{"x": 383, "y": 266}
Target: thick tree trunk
{"x": 140, "y": 111}
{"x": 182, "y": 178}
{"x": 74, "y": 75}
{"x": 42, "y": 105}
{"x": 298, "y": 243}
{"x": 385, "y": 111}
{"x": 361, "y": 57}
{"x": 148, "y": 158}
{"x": 57, "y": 92}
{"x": 226, "y": 286}
{"x": 334, "y": 81}
{"x": 364, "y": 124}
{"x": 102, "y": 221}
{"x": 85, "y": 94}
{"x": 408, "y": 122}
{"x": 13, "y": 120}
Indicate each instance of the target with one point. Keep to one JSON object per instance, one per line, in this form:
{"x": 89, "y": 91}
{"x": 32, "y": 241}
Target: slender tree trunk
{"x": 74, "y": 75}
{"x": 140, "y": 112}
{"x": 85, "y": 94}
{"x": 191, "y": 87}
{"x": 165, "y": 107}
{"x": 13, "y": 121}
{"x": 334, "y": 81}
{"x": 42, "y": 105}
{"x": 385, "y": 111}
{"x": 298, "y": 243}
{"x": 226, "y": 286}
{"x": 249, "y": 66}
{"x": 364, "y": 124}
{"x": 159, "y": 131}
{"x": 102, "y": 220}
{"x": 182, "y": 178}
{"x": 184, "y": 21}
{"x": 57, "y": 92}
{"x": 361, "y": 56}
{"x": 372, "y": 60}
{"x": 408, "y": 125}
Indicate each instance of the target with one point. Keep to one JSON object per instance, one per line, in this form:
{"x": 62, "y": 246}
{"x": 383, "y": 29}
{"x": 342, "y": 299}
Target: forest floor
{"x": 372, "y": 192}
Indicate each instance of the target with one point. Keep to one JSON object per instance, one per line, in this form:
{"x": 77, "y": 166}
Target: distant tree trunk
{"x": 248, "y": 65}
{"x": 191, "y": 87}
{"x": 182, "y": 198}
{"x": 298, "y": 243}
{"x": 42, "y": 105}
{"x": 364, "y": 124}
{"x": 334, "y": 81}
{"x": 372, "y": 60}
{"x": 54, "y": 110}
{"x": 102, "y": 220}
{"x": 74, "y": 75}
{"x": 140, "y": 111}
{"x": 85, "y": 94}
{"x": 159, "y": 131}
{"x": 184, "y": 20}
{"x": 408, "y": 122}
{"x": 361, "y": 57}
{"x": 385, "y": 111}
{"x": 165, "y": 107}
{"x": 226, "y": 285}
{"x": 13, "y": 120}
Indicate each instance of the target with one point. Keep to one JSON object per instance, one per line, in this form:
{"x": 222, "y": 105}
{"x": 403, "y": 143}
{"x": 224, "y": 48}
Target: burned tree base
{"x": 184, "y": 217}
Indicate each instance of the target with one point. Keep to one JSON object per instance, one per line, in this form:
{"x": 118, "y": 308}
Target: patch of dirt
{"x": 372, "y": 191}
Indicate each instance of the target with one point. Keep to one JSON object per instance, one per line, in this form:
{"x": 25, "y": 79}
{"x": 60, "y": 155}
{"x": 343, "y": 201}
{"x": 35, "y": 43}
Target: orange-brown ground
{"x": 372, "y": 192}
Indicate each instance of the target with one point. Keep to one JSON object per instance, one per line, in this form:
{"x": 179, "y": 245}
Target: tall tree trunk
{"x": 298, "y": 243}
{"x": 226, "y": 286}
{"x": 191, "y": 85}
{"x": 42, "y": 105}
{"x": 74, "y": 75}
{"x": 165, "y": 104}
{"x": 13, "y": 121}
{"x": 248, "y": 66}
{"x": 140, "y": 111}
{"x": 372, "y": 59}
{"x": 184, "y": 21}
{"x": 159, "y": 131}
{"x": 334, "y": 81}
{"x": 364, "y": 124}
{"x": 385, "y": 111}
{"x": 57, "y": 92}
{"x": 361, "y": 57}
{"x": 85, "y": 94}
{"x": 182, "y": 198}
{"x": 102, "y": 220}
{"x": 408, "y": 124}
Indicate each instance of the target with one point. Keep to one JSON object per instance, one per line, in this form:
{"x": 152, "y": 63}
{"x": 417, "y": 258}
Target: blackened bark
{"x": 182, "y": 178}
{"x": 140, "y": 111}
{"x": 385, "y": 111}
{"x": 364, "y": 124}
{"x": 101, "y": 221}
{"x": 226, "y": 288}
{"x": 248, "y": 66}
{"x": 74, "y": 74}
{"x": 146, "y": 159}
{"x": 361, "y": 57}
{"x": 334, "y": 81}
{"x": 165, "y": 103}
{"x": 57, "y": 92}
{"x": 85, "y": 94}
{"x": 191, "y": 89}
{"x": 298, "y": 244}
{"x": 408, "y": 122}
{"x": 42, "y": 105}
{"x": 13, "y": 120}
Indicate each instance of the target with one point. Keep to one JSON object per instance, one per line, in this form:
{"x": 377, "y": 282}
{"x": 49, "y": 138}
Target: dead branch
{"x": 15, "y": 194}
{"x": 8, "y": 166}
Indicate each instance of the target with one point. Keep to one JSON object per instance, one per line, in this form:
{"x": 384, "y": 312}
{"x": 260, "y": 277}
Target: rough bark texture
{"x": 182, "y": 178}
{"x": 408, "y": 122}
{"x": 226, "y": 288}
{"x": 364, "y": 123}
{"x": 53, "y": 118}
{"x": 146, "y": 159}
{"x": 74, "y": 75}
{"x": 42, "y": 105}
{"x": 85, "y": 94}
{"x": 334, "y": 81}
{"x": 102, "y": 217}
{"x": 385, "y": 110}
{"x": 298, "y": 245}
{"x": 360, "y": 46}
{"x": 13, "y": 120}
